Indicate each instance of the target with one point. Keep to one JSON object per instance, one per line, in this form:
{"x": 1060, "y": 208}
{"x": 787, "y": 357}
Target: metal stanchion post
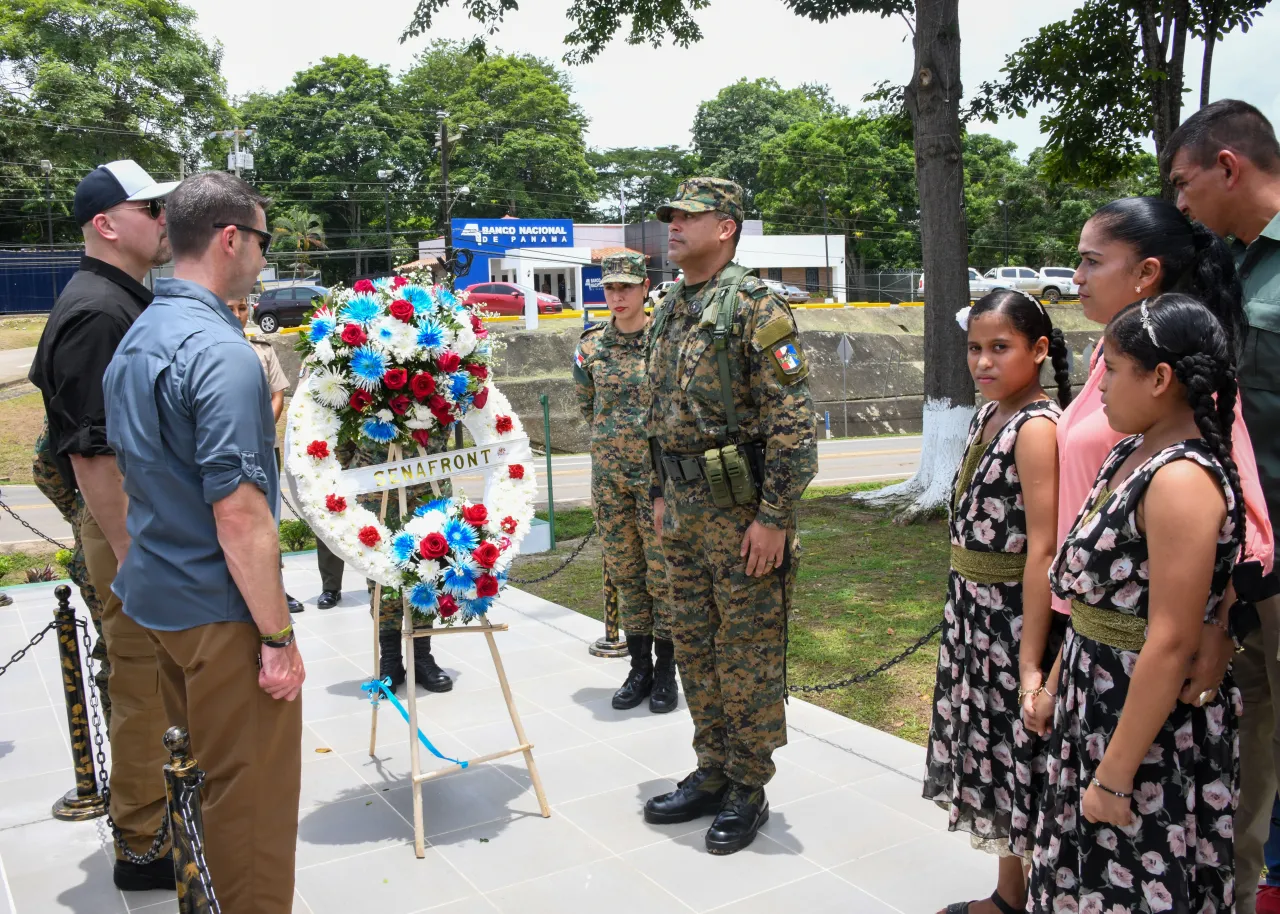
{"x": 84, "y": 802}
{"x": 612, "y": 644}
{"x": 182, "y": 778}
{"x": 546, "y": 443}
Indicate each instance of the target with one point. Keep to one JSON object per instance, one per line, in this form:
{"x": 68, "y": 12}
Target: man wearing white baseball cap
{"x": 120, "y": 210}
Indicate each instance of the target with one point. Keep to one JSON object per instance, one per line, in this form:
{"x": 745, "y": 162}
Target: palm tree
{"x": 300, "y": 231}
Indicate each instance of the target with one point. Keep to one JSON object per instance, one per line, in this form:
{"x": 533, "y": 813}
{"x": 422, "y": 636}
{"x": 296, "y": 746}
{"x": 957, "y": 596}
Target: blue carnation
{"x": 382, "y": 284}
{"x": 419, "y": 297}
{"x": 461, "y": 536}
{"x": 361, "y": 308}
{"x": 458, "y": 384}
{"x": 423, "y": 597}
{"x": 368, "y": 365}
{"x": 403, "y": 546}
{"x": 448, "y": 299}
{"x": 379, "y": 431}
{"x": 319, "y": 329}
{"x": 458, "y": 577}
{"x": 430, "y": 335}
{"x": 475, "y": 609}
{"x": 436, "y": 504}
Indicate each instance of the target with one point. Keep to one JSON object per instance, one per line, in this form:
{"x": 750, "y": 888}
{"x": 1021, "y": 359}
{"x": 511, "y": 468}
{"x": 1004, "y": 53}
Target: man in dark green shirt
{"x": 1224, "y": 162}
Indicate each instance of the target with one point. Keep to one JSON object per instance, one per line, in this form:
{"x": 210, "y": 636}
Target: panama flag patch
{"x": 577, "y": 358}
{"x": 787, "y": 357}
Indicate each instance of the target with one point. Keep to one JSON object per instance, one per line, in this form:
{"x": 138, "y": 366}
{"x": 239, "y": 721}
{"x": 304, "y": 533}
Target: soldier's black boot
{"x": 745, "y": 809}
{"x": 665, "y": 692}
{"x": 700, "y": 794}
{"x": 426, "y": 671}
{"x": 390, "y": 658}
{"x": 640, "y": 680}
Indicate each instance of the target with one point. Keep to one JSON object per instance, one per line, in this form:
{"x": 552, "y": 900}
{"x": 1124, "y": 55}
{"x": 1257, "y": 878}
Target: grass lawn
{"x": 20, "y": 422}
{"x": 867, "y": 588}
{"x": 21, "y": 332}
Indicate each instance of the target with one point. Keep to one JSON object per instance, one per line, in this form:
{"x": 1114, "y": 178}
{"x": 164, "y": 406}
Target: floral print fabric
{"x": 982, "y": 766}
{"x": 1177, "y": 854}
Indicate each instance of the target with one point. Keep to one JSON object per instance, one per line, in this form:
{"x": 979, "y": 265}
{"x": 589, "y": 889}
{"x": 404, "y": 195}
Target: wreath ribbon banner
{"x": 426, "y": 468}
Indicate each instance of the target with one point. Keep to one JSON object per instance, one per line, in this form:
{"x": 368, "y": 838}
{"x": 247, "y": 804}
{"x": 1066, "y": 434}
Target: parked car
{"x": 661, "y": 289}
{"x": 508, "y": 298}
{"x": 978, "y": 286}
{"x": 1058, "y": 284}
{"x": 286, "y": 306}
{"x": 787, "y": 293}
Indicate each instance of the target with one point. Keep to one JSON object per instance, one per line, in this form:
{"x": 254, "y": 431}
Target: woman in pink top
{"x": 1132, "y": 249}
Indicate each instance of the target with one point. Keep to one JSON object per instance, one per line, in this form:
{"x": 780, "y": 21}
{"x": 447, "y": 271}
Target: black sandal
{"x": 962, "y": 907}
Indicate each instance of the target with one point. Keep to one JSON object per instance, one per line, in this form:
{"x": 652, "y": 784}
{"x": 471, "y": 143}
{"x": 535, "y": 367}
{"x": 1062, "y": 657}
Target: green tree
{"x": 648, "y": 177}
{"x": 299, "y": 231}
{"x": 86, "y": 83}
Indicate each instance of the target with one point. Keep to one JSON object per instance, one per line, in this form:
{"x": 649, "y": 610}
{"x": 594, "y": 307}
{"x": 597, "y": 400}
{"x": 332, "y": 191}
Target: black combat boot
{"x": 700, "y": 794}
{"x": 390, "y": 658}
{"x": 426, "y": 671}
{"x": 144, "y": 877}
{"x": 640, "y": 680}
{"x": 745, "y": 809}
{"x": 665, "y": 694}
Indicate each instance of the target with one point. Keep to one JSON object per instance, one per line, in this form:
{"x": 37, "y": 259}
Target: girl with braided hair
{"x": 980, "y": 761}
{"x": 1137, "y": 811}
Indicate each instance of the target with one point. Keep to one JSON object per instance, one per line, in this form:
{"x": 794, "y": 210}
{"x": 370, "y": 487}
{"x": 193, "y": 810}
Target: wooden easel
{"x": 411, "y": 697}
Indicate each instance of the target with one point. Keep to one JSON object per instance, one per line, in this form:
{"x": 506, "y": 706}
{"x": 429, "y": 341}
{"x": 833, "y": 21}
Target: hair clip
{"x": 1146, "y": 323}
{"x": 1035, "y": 301}
{"x": 962, "y": 317}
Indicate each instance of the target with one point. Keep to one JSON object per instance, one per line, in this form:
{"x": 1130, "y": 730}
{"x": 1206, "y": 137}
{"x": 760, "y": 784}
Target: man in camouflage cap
{"x": 609, "y": 375}
{"x": 734, "y": 421}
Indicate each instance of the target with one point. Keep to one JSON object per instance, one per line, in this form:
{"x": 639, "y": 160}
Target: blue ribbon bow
{"x": 374, "y": 686}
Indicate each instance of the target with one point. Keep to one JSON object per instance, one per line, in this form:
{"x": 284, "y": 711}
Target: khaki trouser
{"x": 249, "y": 746}
{"x": 138, "y": 719}
{"x": 1257, "y": 673}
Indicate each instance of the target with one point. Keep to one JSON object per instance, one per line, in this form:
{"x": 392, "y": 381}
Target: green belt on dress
{"x": 988, "y": 567}
{"x": 1106, "y": 626}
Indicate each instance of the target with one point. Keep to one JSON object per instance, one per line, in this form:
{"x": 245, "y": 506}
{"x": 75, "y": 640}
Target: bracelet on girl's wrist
{"x": 1115, "y": 793}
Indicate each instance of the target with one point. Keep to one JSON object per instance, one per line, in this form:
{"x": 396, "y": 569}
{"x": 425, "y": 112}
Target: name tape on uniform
{"x": 425, "y": 468}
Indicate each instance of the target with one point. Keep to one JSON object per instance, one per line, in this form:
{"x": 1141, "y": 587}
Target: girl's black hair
{"x": 1182, "y": 333}
{"x": 1193, "y": 260}
{"x": 1030, "y": 319}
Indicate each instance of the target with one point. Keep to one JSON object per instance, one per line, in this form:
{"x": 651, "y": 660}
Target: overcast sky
{"x": 641, "y": 96}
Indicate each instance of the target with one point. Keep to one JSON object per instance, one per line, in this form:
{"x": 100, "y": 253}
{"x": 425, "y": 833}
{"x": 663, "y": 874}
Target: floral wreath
{"x": 385, "y": 363}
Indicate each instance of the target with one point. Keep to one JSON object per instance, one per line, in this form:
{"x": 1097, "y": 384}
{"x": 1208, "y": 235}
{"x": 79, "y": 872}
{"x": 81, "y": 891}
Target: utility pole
{"x": 826, "y": 244}
{"x": 236, "y": 160}
{"x": 446, "y": 142}
{"x": 1005, "y": 207}
{"x": 384, "y": 175}
{"x": 47, "y": 168}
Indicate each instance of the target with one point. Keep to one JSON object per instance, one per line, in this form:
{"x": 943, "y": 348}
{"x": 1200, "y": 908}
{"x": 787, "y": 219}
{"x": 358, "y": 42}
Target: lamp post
{"x": 47, "y": 168}
{"x": 1005, "y": 208}
{"x": 826, "y": 244}
{"x": 384, "y": 175}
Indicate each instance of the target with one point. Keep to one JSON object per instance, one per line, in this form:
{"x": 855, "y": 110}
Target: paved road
{"x": 15, "y": 363}
{"x": 839, "y": 461}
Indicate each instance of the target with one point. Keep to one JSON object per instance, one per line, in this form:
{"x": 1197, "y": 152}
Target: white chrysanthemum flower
{"x": 404, "y": 343}
{"x": 383, "y": 333}
{"x": 464, "y": 341}
{"x": 323, "y": 352}
{"x": 428, "y": 570}
{"x": 420, "y": 417}
{"x": 431, "y": 522}
{"x": 385, "y": 415}
{"x": 329, "y": 387}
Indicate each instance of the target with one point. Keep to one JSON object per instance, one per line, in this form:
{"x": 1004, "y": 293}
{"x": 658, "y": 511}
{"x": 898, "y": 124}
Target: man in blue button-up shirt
{"x": 189, "y": 418}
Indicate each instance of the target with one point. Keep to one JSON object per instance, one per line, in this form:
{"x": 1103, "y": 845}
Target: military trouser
{"x": 390, "y": 612}
{"x": 730, "y": 634}
{"x": 330, "y": 566}
{"x": 69, "y": 504}
{"x": 632, "y": 555}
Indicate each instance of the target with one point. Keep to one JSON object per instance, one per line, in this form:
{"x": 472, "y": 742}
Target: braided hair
{"x": 1030, "y": 319}
{"x": 1181, "y": 332}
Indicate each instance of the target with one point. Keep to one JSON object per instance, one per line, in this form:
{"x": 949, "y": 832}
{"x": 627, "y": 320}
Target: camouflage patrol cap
{"x": 704, "y": 195}
{"x": 625, "y": 266}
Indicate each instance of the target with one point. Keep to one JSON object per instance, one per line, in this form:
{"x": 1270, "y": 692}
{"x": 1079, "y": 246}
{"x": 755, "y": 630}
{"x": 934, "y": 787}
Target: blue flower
{"x": 461, "y": 536}
{"x": 458, "y": 578}
{"x": 474, "y": 609}
{"x": 361, "y": 309}
{"x": 448, "y": 299}
{"x": 430, "y": 335}
{"x": 437, "y": 504}
{"x": 368, "y": 365}
{"x": 376, "y": 430}
{"x": 419, "y": 297}
{"x": 384, "y": 335}
{"x": 423, "y": 597}
{"x": 320, "y": 328}
{"x": 458, "y": 384}
{"x": 403, "y": 546}
{"x": 383, "y": 284}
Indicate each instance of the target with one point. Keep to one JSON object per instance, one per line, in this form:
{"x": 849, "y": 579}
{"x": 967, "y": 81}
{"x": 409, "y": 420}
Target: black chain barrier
{"x": 22, "y": 652}
{"x": 870, "y": 674}
{"x": 577, "y": 550}
{"x": 46, "y": 538}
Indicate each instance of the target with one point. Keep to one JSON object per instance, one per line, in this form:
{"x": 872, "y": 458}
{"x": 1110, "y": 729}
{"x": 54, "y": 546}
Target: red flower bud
{"x": 352, "y": 335}
{"x": 436, "y": 403}
{"x": 446, "y": 606}
{"x": 433, "y": 546}
{"x": 422, "y": 385}
{"x": 516, "y": 471}
{"x": 422, "y": 436}
{"x": 486, "y": 554}
{"x": 399, "y": 405}
{"x": 477, "y": 325}
{"x": 448, "y": 361}
{"x": 363, "y": 285}
{"x": 318, "y": 449}
{"x": 402, "y": 310}
{"x": 486, "y": 586}
{"x": 508, "y": 525}
{"x": 335, "y": 503}
{"x": 369, "y": 536}
{"x": 503, "y": 424}
{"x": 399, "y": 281}
{"x": 475, "y": 515}
{"x": 360, "y": 399}
{"x": 481, "y": 398}
{"x": 395, "y": 378}
{"x": 476, "y": 370}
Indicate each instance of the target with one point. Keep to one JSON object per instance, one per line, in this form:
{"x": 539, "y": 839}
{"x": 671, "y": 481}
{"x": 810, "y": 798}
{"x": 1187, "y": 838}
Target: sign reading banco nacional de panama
{"x": 496, "y": 235}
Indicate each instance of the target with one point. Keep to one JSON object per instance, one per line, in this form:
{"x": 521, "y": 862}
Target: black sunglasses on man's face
{"x": 264, "y": 238}
{"x": 153, "y": 207}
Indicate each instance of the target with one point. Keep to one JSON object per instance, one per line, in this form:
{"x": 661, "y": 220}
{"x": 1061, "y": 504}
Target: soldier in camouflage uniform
{"x": 609, "y": 375}
{"x": 726, "y": 368}
{"x": 70, "y": 504}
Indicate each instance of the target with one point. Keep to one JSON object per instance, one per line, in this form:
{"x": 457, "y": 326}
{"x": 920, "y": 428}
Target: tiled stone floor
{"x": 848, "y": 831}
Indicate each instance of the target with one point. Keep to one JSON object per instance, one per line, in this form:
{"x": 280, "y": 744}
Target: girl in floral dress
{"x": 1137, "y": 811}
{"x": 1003, "y": 519}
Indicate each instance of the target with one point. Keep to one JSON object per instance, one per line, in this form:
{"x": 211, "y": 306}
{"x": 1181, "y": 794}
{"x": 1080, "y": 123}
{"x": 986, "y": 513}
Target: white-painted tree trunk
{"x": 945, "y": 429}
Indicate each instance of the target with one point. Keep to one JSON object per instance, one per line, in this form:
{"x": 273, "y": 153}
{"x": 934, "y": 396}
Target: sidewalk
{"x": 848, "y": 831}
{"x": 14, "y": 365}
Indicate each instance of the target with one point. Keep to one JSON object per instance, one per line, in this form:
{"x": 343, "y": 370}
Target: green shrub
{"x": 295, "y": 536}
{"x": 63, "y": 557}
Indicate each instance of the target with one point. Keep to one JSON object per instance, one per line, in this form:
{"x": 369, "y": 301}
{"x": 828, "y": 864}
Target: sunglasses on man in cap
{"x": 125, "y": 181}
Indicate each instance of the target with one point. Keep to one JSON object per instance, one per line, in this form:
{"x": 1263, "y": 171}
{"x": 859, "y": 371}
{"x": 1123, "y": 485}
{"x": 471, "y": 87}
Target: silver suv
{"x": 1025, "y": 279}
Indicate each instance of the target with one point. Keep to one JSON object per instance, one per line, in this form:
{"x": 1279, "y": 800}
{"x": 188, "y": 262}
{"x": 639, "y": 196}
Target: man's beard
{"x": 163, "y": 253}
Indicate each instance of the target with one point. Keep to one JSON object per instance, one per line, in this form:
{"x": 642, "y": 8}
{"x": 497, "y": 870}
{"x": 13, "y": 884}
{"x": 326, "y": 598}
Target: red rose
{"x": 369, "y": 536}
{"x": 486, "y": 586}
{"x": 335, "y": 503}
{"x": 503, "y": 424}
{"x": 363, "y": 285}
{"x": 481, "y": 398}
{"x": 477, "y": 325}
{"x": 433, "y": 546}
{"x": 399, "y": 405}
{"x": 360, "y": 399}
{"x": 421, "y": 435}
{"x": 402, "y": 310}
{"x": 352, "y": 335}
{"x": 516, "y": 471}
{"x": 422, "y": 385}
{"x": 508, "y": 525}
{"x": 476, "y": 370}
{"x": 446, "y": 606}
{"x": 436, "y": 403}
{"x": 399, "y": 281}
{"x": 485, "y": 555}
{"x": 448, "y": 361}
{"x": 318, "y": 449}
{"x": 395, "y": 378}
{"x": 444, "y": 417}
{"x": 475, "y": 515}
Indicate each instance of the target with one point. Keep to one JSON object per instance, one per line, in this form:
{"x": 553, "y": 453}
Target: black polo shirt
{"x": 91, "y": 316}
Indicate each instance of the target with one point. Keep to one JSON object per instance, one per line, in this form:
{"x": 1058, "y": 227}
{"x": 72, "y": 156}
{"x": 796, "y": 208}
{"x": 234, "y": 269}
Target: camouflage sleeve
{"x": 780, "y": 391}
{"x": 583, "y": 385}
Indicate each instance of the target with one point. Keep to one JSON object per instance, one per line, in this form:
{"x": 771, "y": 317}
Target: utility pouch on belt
{"x": 728, "y": 474}
{"x": 713, "y": 468}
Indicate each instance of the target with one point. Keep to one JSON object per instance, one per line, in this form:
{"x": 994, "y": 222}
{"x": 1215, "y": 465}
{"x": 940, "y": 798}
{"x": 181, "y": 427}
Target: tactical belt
{"x": 683, "y": 469}
{"x": 1106, "y": 626}
{"x": 988, "y": 567}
